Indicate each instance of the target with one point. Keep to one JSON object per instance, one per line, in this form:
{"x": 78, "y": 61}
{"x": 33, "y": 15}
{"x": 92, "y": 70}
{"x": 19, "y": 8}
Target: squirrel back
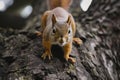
{"x": 59, "y": 3}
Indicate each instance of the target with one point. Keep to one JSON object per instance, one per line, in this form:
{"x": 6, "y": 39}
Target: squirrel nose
{"x": 61, "y": 36}
{"x": 61, "y": 40}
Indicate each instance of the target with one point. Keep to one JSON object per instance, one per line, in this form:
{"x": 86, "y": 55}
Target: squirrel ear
{"x": 69, "y": 20}
{"x": 53, "y": 19}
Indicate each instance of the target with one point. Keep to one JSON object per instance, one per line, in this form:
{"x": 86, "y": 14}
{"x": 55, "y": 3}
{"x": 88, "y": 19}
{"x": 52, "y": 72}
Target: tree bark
{"x": 96, "y": 59}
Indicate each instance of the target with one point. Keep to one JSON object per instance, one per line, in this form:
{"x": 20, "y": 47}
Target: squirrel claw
{"x": 45, "y": 55}
{"x": 77, "y": 41}
{"x": 71, "y": 60}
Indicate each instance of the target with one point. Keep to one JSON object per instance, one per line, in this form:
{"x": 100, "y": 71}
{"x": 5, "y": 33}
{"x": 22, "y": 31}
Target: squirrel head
{"x": 61, "y": 32}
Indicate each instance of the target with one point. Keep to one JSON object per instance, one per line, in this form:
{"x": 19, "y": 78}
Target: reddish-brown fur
{"x": 47, "y": 18}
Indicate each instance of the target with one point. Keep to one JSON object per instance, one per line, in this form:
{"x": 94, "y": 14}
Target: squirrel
{"x": 58, "y": 28}
{"x": 59, "y": 3}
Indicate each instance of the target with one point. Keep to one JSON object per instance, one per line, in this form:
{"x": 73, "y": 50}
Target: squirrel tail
{"x": 59, "y": 3}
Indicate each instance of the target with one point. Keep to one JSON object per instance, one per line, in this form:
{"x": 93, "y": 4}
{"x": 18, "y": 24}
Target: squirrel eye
{"x": 54, "y": 30}
{"x": 69, "y": 31}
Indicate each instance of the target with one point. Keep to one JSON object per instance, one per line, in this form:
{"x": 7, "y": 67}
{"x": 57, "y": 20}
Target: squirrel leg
{"x": 47, "y": 52}
{"x": 77, "y": 41}
{"x": 67, "y": 50}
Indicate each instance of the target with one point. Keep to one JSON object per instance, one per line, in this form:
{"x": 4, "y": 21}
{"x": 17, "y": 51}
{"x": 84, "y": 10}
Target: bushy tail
{"x": 59, "y": 3}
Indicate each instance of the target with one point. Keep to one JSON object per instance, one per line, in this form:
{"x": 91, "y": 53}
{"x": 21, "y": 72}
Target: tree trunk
{"x": 98, "y": 58}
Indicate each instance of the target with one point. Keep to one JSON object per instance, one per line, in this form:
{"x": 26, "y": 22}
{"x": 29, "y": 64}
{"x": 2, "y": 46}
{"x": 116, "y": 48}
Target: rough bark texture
{"x": 98, "y": 58}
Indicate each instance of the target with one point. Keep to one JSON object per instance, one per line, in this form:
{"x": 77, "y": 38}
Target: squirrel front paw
{"x": 46, "y": 54}
{"x": 38, "y": 33}
{"x": 78, "y": 41}
{"x": 70, "y": 59}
